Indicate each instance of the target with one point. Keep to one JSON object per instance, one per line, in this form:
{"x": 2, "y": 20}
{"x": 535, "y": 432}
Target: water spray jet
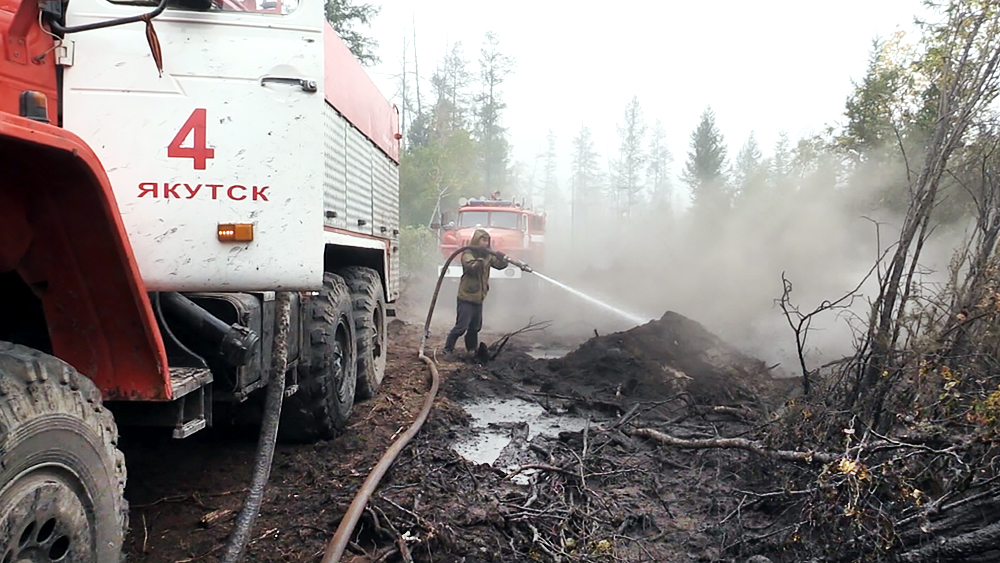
{"x": 526, "y": 268}
{"x": 633, "y": 318}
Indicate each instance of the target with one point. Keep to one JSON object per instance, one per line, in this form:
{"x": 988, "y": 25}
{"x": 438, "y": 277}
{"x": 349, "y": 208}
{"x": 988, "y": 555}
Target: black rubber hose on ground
{"x": 337, "y": 545}
{"x": 268, "y": 434}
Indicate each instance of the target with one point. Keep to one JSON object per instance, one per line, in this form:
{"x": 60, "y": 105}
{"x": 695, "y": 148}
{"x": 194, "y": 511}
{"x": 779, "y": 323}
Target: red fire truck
{"x": 515, "y": 229}
{"x": 167, "y": 168}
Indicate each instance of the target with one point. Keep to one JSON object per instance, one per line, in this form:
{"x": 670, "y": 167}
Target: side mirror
{"x": 436, "y": 226}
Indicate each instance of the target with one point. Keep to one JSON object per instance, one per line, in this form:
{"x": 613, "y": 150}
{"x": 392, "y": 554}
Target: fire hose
{"x": 338, "y": 544}
{"x": 437, "y": 288}
{"x": 268, "y": 435}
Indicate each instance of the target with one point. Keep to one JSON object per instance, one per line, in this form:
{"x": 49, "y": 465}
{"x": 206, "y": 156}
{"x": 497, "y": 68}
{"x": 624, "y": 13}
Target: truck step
{"x": 189, "y": 428}
{"x": 186, "y": 380}
{"x": 192, "y": 400}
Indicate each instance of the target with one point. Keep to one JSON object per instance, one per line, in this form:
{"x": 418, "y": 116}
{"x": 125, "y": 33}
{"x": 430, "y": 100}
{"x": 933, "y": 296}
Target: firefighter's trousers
{"x": 469, "y": 321}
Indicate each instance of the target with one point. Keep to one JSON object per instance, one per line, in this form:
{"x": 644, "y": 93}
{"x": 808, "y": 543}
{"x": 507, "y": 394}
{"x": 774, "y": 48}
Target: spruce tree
{"x": 704, "y": 170}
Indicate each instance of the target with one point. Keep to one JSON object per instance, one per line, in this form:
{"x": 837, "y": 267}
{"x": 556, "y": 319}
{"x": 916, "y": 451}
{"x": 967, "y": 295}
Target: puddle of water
{"x": 482, "y": 447}
{"x": 541, "y": 352}
{"x": 487, "y": 440}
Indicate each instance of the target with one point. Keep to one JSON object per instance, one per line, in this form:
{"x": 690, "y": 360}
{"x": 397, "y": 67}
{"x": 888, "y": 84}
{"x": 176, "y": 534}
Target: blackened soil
{"x": 596, "y": 495}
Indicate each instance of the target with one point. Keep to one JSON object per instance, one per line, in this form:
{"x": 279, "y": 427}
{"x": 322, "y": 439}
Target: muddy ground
{"x": 591, "y": 494}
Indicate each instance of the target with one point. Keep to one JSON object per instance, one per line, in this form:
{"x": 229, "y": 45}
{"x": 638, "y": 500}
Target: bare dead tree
{"x": 801, "y": 323}
{"x": 966, "y": 50}
{"x": 970, "y": 312}
{"x": 416, "y": 68}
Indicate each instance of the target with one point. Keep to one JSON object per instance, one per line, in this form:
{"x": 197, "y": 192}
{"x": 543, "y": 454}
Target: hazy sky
{"x": 766, "y": 66}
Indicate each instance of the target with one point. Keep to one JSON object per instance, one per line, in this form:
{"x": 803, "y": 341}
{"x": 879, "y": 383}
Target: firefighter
{"x": 472, "y": 290}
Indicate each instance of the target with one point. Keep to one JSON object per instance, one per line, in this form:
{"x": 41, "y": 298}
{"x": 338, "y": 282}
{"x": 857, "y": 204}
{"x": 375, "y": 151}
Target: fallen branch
{"x": 214, "y": 517}
{"x": 183, "y": 498}
{"x": 739, "y": 412}
{"x": 627, "y": 416}
{"x": 420, "y": 520}
{"x": 541, "y": 467}
{"x": 939, "y": 506}
{"x": 606, "y": 406}
{"x": 956, "y": 548}
{"x": 737, "y": 443}
{"x": 958, "y": 515}
{"x": 532, "y": 326}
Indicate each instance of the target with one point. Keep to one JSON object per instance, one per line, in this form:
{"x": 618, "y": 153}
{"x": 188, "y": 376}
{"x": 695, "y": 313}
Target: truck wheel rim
{"x": 376, "y": 336}
{"x": 43, "y": 519}
{"x": 344, "y": 391}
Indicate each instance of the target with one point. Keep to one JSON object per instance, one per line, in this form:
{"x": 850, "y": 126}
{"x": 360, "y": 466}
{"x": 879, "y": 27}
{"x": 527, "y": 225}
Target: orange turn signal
{"x": 235, "y": 232}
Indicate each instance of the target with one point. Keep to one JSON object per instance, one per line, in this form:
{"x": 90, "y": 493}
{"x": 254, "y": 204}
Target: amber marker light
{"x": 34, "y": 105}
{"x": 235, "y": 232}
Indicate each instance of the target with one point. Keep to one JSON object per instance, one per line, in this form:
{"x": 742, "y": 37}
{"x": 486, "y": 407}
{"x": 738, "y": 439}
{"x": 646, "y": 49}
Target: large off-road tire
{"x": 323, "y": 403}
{"x": 62, "y": 477}
{"x": 369, "y": 324}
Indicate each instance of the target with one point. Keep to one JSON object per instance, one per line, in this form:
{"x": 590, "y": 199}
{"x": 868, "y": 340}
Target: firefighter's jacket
{"x": 476, "y": 266}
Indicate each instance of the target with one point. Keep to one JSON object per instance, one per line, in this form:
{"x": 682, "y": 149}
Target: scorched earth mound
{"x": 661, "y": 359}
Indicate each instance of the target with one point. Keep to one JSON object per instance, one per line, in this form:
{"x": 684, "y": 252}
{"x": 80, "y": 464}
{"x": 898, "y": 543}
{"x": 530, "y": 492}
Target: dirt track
{"x": 595, "y": 495}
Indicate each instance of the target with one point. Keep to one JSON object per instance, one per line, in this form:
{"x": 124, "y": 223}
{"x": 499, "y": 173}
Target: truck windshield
{"x": 473, "y": 218}
{"x": 256, "y": 6}
{"x": 499, "y": 219}
{"x": 503, "y": 220}
{"x": 280, "y": 7}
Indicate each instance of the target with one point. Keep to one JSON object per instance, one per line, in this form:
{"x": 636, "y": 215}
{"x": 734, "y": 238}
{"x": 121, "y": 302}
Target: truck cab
{"x": 174, "y": 170}
{"x": 514, "y": 229}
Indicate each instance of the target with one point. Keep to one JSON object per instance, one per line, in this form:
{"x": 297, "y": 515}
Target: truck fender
{"x": 66, "y": 240}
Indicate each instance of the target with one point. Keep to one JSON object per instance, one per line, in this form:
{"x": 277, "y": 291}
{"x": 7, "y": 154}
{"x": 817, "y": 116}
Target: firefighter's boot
{"x": 449, "y": 343}
{"x": 472, "y": 341}
{"x": 482, "y": 353}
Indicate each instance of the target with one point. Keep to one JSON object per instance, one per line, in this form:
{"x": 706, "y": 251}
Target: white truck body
{"x": 243, "y": 127}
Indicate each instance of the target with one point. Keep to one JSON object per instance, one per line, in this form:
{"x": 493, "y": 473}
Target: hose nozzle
{"x": 524, "y": 267}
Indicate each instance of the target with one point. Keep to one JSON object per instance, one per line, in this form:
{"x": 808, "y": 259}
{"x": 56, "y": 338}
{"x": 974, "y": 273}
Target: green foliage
{"x": 345, "y": 16}
{"x": 451, "y": 83}
{"x": 585, "y": 168}
{"x": 704, "y": 170}
{"x": 494, "y": 68}
{"x": 553, "y": 197}
{"x": 814, "y": 166}
{"x": 631, "y": 159}
{"x": 458, "y": 148}
{"x": 750, "y": 171}
{"x": 782, "y": 156}
{"x": 585, "y": 182}
{"x": 419, "y": 131}
{"x": 418, "y": 252}
{"x": 658, "y": 169}
{"x": 435, "y": 174}
{"x": 872, "y": 109}
{"x": 522, "y": 181}
{"x": 985, "y": 411}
